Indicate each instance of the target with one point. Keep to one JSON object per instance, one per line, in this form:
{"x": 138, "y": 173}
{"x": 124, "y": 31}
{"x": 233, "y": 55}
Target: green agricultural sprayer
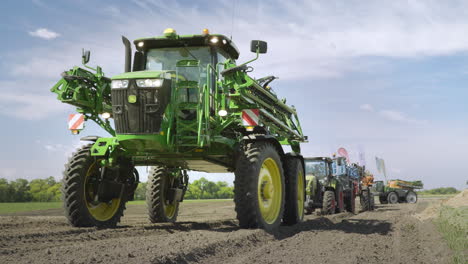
{"x": 182, "y": 104}
{"x": 397, "y": 191}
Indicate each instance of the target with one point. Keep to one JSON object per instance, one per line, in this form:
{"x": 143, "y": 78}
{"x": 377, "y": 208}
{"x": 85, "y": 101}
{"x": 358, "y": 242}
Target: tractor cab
{"x": 342, "y": 173}
{"x": 170, "y": 91}
{"x": 319, "y": 168}
{"x": 319, "y": 173}
{"x": 378, "y": 187}
{"x": 339, "y": 166}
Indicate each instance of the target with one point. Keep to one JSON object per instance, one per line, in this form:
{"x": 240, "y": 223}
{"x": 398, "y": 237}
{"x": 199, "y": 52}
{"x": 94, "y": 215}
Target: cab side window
{"x": 222, "y": 58}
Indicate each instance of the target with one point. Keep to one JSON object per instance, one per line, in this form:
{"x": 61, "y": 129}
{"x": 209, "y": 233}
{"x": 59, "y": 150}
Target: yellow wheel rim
{"x": 169, "y": 209}
{"x": 270, "y": 191}
{"x": 100, "y": 211}
{"x": 300, "y": 194}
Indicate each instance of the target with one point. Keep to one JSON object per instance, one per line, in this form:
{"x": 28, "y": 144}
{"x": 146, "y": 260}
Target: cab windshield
{"x": 165, "y": 59}
{"x": 316, "y": 168}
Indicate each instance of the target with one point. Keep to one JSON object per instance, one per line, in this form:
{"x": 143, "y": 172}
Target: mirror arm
{"x": 254, "y": 59}
{"x": 91, "y": 68}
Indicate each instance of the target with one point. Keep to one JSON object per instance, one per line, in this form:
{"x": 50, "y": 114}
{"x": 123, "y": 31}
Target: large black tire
{"x": 249, "y": 178}
{"x": 383, "y": 200}
{"x": 411, "y": 197}
{"x": 159, "y": 209}
{"x": 295, "y": 191}
{"x": 340, "y": 207}
{"x": 392, "y": 198}
{"x": 329, "y": 203}
{"x": 350, "y": 201}
{"x": 366, "y": 200}
{"x": 80, "y": 209}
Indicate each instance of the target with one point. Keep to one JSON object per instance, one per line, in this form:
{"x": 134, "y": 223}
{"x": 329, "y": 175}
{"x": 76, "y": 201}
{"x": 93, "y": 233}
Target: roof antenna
{"x": 233, "y": 13}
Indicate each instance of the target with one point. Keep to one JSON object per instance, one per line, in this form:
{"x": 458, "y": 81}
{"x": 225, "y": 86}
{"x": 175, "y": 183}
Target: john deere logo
{"x": 132, "y": 99}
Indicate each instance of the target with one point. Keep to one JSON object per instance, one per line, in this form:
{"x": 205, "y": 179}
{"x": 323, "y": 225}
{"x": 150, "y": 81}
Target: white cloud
{"x": 113, "y": 11}
{"x": 44, "y": 33}
{"x": 366, "y": 107}
{"x": 320, "y": 40}
{"x": 67, "y": 150}
{"x": 400, "y": 117}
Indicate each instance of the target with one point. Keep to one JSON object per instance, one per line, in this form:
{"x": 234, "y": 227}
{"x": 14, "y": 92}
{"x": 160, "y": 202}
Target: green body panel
{"x": 311, "y": 186}
{"x": 191, "y": 133}
{"x": 332, "y": 184}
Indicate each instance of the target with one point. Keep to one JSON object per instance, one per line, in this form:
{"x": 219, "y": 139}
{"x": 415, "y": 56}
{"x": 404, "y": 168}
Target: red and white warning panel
{"x": 76, "y": 121}
{"x": 250, "y": 117}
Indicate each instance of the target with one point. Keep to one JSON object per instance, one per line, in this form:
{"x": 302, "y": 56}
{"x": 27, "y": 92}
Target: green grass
{"x": 453, "y": 224}
{"x": 6, "y": 208}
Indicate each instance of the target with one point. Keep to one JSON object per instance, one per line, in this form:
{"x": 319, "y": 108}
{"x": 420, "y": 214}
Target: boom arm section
{"x": 89, "y": 92}
{"x": 276, "y": 117}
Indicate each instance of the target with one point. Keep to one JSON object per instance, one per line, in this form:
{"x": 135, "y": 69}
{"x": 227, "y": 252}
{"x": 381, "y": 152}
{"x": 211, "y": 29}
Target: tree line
{"x": 442, "y": 190}
{"x": 198, "y": 189}
{"x": 21, "y": 190}
{"x": 48, "y": 190}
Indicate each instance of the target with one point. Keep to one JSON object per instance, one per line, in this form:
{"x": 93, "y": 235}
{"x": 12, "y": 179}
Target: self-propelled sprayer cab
{"x": 161, "y": 64}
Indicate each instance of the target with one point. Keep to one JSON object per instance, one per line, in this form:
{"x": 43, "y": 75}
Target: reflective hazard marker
{"x": 76, "y": 121}
{"x": 250, "y": 117}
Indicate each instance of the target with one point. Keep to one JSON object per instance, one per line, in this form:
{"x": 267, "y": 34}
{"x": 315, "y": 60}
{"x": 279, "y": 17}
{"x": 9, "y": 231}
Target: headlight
{"x": 149, "y": 83}
{"x": 214, "y": 40}
{"x": 118, "y": 84}
{"x": 106, "y": 115}
{"x": 222, "y": 112}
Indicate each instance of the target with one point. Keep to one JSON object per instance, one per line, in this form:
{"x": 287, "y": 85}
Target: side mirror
{"x": 258, "y": 45}
{"x": 85, "y": 56}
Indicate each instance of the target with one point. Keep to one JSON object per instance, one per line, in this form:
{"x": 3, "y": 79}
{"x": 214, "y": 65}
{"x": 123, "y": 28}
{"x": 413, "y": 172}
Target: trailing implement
{"x": 182, "y": 104}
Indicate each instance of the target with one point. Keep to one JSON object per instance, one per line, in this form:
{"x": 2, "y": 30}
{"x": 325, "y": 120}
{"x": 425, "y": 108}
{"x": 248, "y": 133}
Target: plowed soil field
{"x": 207, "y": 232}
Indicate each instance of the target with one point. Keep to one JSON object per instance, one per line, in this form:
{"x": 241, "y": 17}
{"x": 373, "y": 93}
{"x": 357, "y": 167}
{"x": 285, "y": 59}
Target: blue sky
{"x": 388, "y": 77}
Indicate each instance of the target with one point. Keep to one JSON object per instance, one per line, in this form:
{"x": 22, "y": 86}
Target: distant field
{"x": 8, "y": 208}
{"x": 421, "y": 195}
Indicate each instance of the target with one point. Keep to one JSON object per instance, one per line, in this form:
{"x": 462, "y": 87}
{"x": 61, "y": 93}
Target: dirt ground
{"x": 207, "y": 232}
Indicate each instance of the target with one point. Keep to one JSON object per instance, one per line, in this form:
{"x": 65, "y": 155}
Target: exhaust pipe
{"x": 128, "y": 54}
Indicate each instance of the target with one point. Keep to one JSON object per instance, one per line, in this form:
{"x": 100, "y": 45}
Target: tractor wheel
{"x": 80, "y": 186}
{"x": 329, "y": 203}
{"x": 411, "y": 197}
{"x": 339, "y": 199}
{"x": 259, "y": 186}
{"x": 383, "y": 200}
{"x": 366, "y": 200}
{"x": 392, "y": 198}
{"x": 350, "y": 201}
{"x": 295, "y": 191}
{"x": 160, "y": 210}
